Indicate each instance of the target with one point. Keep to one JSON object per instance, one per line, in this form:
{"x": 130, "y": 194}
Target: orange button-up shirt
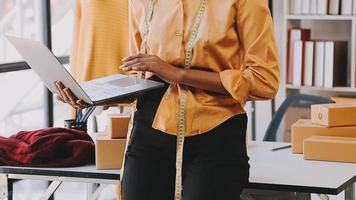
{"x": 235, "y": 39}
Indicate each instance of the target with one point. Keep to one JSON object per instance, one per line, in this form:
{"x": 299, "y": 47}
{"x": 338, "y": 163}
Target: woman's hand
{"x": 152, "y": 64}
{"x": 66, "y": 96}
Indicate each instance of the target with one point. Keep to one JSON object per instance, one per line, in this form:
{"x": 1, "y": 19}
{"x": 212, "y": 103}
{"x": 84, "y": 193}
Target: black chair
{"x": 291, "y": 100}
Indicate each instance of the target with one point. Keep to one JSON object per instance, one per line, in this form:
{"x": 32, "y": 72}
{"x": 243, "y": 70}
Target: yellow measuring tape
{"x": 143, "y": 50}
{"x": 183, "y": 101}
{"x": 183, "y": 95}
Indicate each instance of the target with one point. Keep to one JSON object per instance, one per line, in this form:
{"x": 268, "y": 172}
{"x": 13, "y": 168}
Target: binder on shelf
{"x": 319, "y": 64}
{"x": 335, "y": 64}
{"x": 295, "y": 7}
{"x": 308, "y": 63}
{"x": 294, "y": 35}
{"x": 297, "y": 62}
{"x": 313, "y": 7}
{"x": 334, "y": 7}
{"x": 322, "y": 7}
{"x": 346, "y": 7}
{"x": 305, "y": 7}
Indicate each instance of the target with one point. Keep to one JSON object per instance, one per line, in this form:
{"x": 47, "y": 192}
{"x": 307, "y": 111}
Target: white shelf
{"x": 321, "y": 17}
{"x": 335, "y": 89}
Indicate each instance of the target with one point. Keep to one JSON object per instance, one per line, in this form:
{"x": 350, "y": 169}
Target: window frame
{"x": 47, "y": 40}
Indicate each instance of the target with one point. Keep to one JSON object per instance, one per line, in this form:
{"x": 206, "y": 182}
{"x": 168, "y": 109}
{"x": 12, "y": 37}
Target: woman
{"x": 214, "y": 56}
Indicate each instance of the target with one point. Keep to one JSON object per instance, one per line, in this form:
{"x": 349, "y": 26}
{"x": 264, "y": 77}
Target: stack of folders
{"x": 323, "y": 7}
{"x": 316, "y": 63}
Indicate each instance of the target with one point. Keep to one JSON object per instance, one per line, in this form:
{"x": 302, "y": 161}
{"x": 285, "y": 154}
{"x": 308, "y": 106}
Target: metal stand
{"x": 52, "y": 188}
{"x": 5, "y": 188}
{"x": 303, "y": 196}
{"x": 350, "y": 193}
{"x": 96, "y": 186}
{"x": 94, "y": 190}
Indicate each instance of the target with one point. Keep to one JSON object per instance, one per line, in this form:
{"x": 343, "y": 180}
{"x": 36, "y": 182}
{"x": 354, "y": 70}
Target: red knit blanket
{"x": 52, "y": 147}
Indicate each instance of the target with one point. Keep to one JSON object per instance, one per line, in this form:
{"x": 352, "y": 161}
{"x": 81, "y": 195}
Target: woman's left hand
{"x": 153, "y": 64}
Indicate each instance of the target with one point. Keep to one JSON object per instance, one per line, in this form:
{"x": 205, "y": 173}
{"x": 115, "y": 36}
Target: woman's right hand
{"x": 65, "y": 95}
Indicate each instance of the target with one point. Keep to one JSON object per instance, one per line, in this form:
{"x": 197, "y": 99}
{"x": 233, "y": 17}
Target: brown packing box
{"x": 118, "y": 125}
{"x": 336, "y": 114}
{"x": 343, "y": 99}
{"x": 292, "y": 115}
{"x": 109, "y": 153}
{"x": 304, "y": 128}
{"x": 338, "y": 149}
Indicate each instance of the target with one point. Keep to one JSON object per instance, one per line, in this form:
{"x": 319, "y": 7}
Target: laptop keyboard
{"x": 98, "y": 91}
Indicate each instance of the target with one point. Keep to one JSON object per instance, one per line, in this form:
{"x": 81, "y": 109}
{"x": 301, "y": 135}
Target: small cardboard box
{"x": 336, "y": 114}
{"x": 109, "y": 153}
{"x": 304, "y": 128}
{"x": 118, "y": 126}
{"x": 292, "y": 115}
{"x": 337, "y": 149}
{"x": 343, "y": 99}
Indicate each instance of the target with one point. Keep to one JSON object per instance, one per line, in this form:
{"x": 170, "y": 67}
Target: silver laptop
{"x": 94, "y": 92}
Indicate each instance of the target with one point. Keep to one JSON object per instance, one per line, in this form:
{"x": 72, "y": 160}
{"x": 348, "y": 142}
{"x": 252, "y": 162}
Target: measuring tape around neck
{"x": 183, "y": 94}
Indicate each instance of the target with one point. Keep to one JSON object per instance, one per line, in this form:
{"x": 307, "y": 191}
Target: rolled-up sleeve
{"x": 135, "y": 39}
{"x": 258, "y": 78}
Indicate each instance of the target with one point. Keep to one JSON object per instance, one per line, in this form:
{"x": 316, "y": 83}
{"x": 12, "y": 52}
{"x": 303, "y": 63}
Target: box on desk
{"x": 109, "y": 153}
{"x": 118, "y": 125}
{"x": 304, "y": 128}
{"x": 326, "y": 148}
{"x": 336, "y": 114}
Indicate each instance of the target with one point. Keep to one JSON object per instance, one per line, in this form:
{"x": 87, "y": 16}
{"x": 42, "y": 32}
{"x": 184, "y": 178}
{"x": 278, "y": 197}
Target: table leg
{"x": 5, "y": 188}
{"x": 91, "y": 188}
{"x": 303, "y": 196}
{"x": 51, "y": 189}
{"x": 98, "y": 191}
{"x": 350, "y": 193}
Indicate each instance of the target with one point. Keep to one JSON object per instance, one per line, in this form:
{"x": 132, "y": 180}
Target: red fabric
{"x": 52, "y": 147}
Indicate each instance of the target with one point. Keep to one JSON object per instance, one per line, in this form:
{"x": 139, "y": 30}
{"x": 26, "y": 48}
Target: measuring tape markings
{"x": 182, "y": 97}
{"x": 143, "y": 50}
{"x": 183, "y": 101}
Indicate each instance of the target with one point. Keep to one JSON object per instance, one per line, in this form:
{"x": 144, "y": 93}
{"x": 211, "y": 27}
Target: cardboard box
{"x": 343, "y": 99}
{"x": 109, "y": 153}
{"x": 118, "y": 125}
{"x": 338, "y": 149}
{"x": 292, "y": 115}
{"x": 336, "y": 114}
{"x": 304, "y": 128}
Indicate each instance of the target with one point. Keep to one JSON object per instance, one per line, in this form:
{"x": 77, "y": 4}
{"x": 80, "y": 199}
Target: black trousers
{"x": 215, "y": 164}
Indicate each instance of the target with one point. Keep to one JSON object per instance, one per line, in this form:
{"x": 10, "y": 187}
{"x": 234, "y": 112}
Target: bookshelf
{"x": 323, "y": 27}
{"x": 322, "y": 89}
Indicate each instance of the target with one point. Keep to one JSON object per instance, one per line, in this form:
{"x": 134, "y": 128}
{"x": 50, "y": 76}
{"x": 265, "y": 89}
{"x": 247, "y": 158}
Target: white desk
{"x": 85, "y": 174}
{"x": 283, "y": 171}
{"x": 279, "y": 170}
